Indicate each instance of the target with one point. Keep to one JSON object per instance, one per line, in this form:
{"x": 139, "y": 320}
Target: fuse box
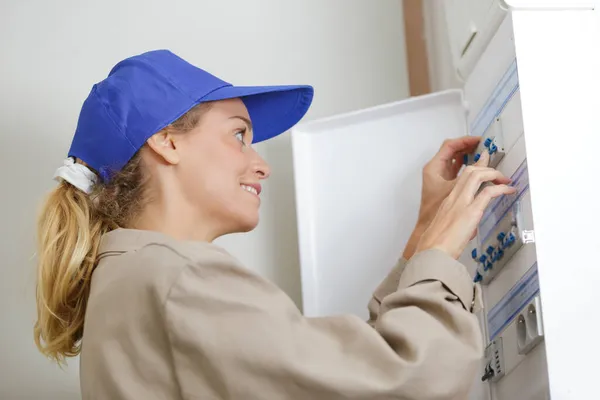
{"x": 502, "y": 230}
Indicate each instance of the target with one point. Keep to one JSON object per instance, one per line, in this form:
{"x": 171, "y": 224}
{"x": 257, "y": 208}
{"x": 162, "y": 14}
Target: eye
{"x": 240, "y": 135}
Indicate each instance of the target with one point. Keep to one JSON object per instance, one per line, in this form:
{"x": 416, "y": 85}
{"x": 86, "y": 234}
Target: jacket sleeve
{"x": 387, "y": 286}
{"x": 234, "y": 335}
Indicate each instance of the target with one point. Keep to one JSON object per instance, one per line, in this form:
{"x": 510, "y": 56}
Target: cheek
{"x": 211, "y": 182}
{"x": 194, "y": 171}
{"x": 213, "y": 179}
{"x": 228, "y": 198}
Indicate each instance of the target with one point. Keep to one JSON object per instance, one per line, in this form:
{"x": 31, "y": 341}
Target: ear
{"x": 163, "y": 144}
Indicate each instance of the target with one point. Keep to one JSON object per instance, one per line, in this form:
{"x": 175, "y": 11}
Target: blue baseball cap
{"x": 145, "y": 93}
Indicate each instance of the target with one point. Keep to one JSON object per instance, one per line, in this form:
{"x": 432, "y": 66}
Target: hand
{"x": 455, "y": 223}
{"x": 439, "y": 177}
{"x": 440, "y": 174}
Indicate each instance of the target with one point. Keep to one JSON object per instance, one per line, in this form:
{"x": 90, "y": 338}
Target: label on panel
{"x": 507, "y": 86}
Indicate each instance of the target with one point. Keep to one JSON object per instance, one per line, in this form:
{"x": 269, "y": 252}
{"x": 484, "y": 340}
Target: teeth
{"x": 249, "y": 189}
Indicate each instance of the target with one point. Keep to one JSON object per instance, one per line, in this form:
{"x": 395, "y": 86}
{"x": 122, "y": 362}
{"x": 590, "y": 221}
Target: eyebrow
{"x": 246, "y": 120}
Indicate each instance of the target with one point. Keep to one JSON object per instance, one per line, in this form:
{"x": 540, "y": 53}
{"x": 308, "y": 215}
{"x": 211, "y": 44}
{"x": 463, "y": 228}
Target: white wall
{"x": 352, "y": 51}
{"x": 441, "y": 70}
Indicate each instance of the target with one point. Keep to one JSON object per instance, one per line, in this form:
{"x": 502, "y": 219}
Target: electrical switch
{"x": 490, "y": 250}
{"x": 488, "y": 373}
{"x": 494, "y": 361}
{"x": 482, "y": 258}
{"x": 501, "y": 236}
{"x": 478, "y": 277}
{"x": 499, "y": 254}
{"x": 488, "y": 266}
{"x": 492, "y": 142}
{"x": 474, "y": 253}
{"x": 465, "y": 159}
{"x": 511, "y": 239}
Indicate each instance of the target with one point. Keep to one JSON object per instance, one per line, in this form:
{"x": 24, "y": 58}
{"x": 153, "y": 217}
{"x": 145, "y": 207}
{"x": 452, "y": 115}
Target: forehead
{"x": 229, "y": 108}
{"x": 225, "y": 115}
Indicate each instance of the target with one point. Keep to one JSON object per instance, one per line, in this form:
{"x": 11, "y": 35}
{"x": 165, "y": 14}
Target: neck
{"x": 177, "y": 220}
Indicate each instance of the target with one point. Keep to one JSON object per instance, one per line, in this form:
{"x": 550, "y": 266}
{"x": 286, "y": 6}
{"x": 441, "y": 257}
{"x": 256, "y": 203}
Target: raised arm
{"x": 388, "y": 286}
{"x": 439, "y": 178}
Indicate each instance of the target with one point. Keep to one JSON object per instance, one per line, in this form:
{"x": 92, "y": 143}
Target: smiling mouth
{"x": 250, "y": 189}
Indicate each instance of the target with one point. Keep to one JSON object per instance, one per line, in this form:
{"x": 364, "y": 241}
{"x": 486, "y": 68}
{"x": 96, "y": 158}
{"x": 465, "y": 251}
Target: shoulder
{"x": 152, "y": 263}
{"x": 211, "y": 268}
{"x": 174, "y": 265}
{"x": 213, "y": 288}
{"x": 208, "y": 275}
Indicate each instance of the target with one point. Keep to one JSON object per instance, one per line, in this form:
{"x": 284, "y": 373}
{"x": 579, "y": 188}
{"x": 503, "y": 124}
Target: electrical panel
{"x": 502, "y": 257}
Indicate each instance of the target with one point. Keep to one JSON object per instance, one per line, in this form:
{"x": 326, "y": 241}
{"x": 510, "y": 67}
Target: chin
{"x": 247, "y": 223}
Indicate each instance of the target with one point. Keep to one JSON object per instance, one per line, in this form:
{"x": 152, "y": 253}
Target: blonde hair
{"x": 70, "y": 226}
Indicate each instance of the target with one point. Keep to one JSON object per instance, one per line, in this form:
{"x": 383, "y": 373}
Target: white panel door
{"x": 358, "y": 182}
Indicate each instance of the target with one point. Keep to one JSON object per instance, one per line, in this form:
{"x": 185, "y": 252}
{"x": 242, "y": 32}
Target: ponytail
{"x": 70, "y": 228}
{"x": 69, "y": 232}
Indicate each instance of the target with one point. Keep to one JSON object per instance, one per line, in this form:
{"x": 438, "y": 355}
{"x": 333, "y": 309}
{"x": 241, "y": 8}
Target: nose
{"x": 259, "y": 166}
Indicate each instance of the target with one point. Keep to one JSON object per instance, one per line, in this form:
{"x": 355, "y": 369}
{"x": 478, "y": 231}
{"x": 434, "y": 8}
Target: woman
{"x": 159, "y": 167}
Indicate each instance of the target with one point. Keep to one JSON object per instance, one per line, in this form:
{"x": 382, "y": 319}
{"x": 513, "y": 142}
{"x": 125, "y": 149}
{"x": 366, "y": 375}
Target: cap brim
{"x": 273, "y": 109}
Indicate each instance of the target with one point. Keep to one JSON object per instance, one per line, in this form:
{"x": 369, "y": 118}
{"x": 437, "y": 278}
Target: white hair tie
{"x": 77, "y": 175}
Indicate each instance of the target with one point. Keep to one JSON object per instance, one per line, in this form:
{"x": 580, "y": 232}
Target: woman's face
{"x": 218, "y": 173}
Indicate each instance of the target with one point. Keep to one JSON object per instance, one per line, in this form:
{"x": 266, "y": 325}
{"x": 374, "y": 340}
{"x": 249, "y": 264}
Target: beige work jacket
{"x": 169, "y": 319}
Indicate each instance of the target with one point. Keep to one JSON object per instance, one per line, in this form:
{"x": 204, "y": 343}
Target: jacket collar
{"x": 123, "y": 240}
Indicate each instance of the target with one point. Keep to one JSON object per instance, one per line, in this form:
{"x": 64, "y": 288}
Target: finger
{"x": 461, "y": 183}
{"x": 502, "y": 181}
{"x": 478, "y": 178}
{"x": 451, "y": 147}
{"x": 484, "y": 160}
{"x": 491, "y": 192}
{"x": 474, "y": 234}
